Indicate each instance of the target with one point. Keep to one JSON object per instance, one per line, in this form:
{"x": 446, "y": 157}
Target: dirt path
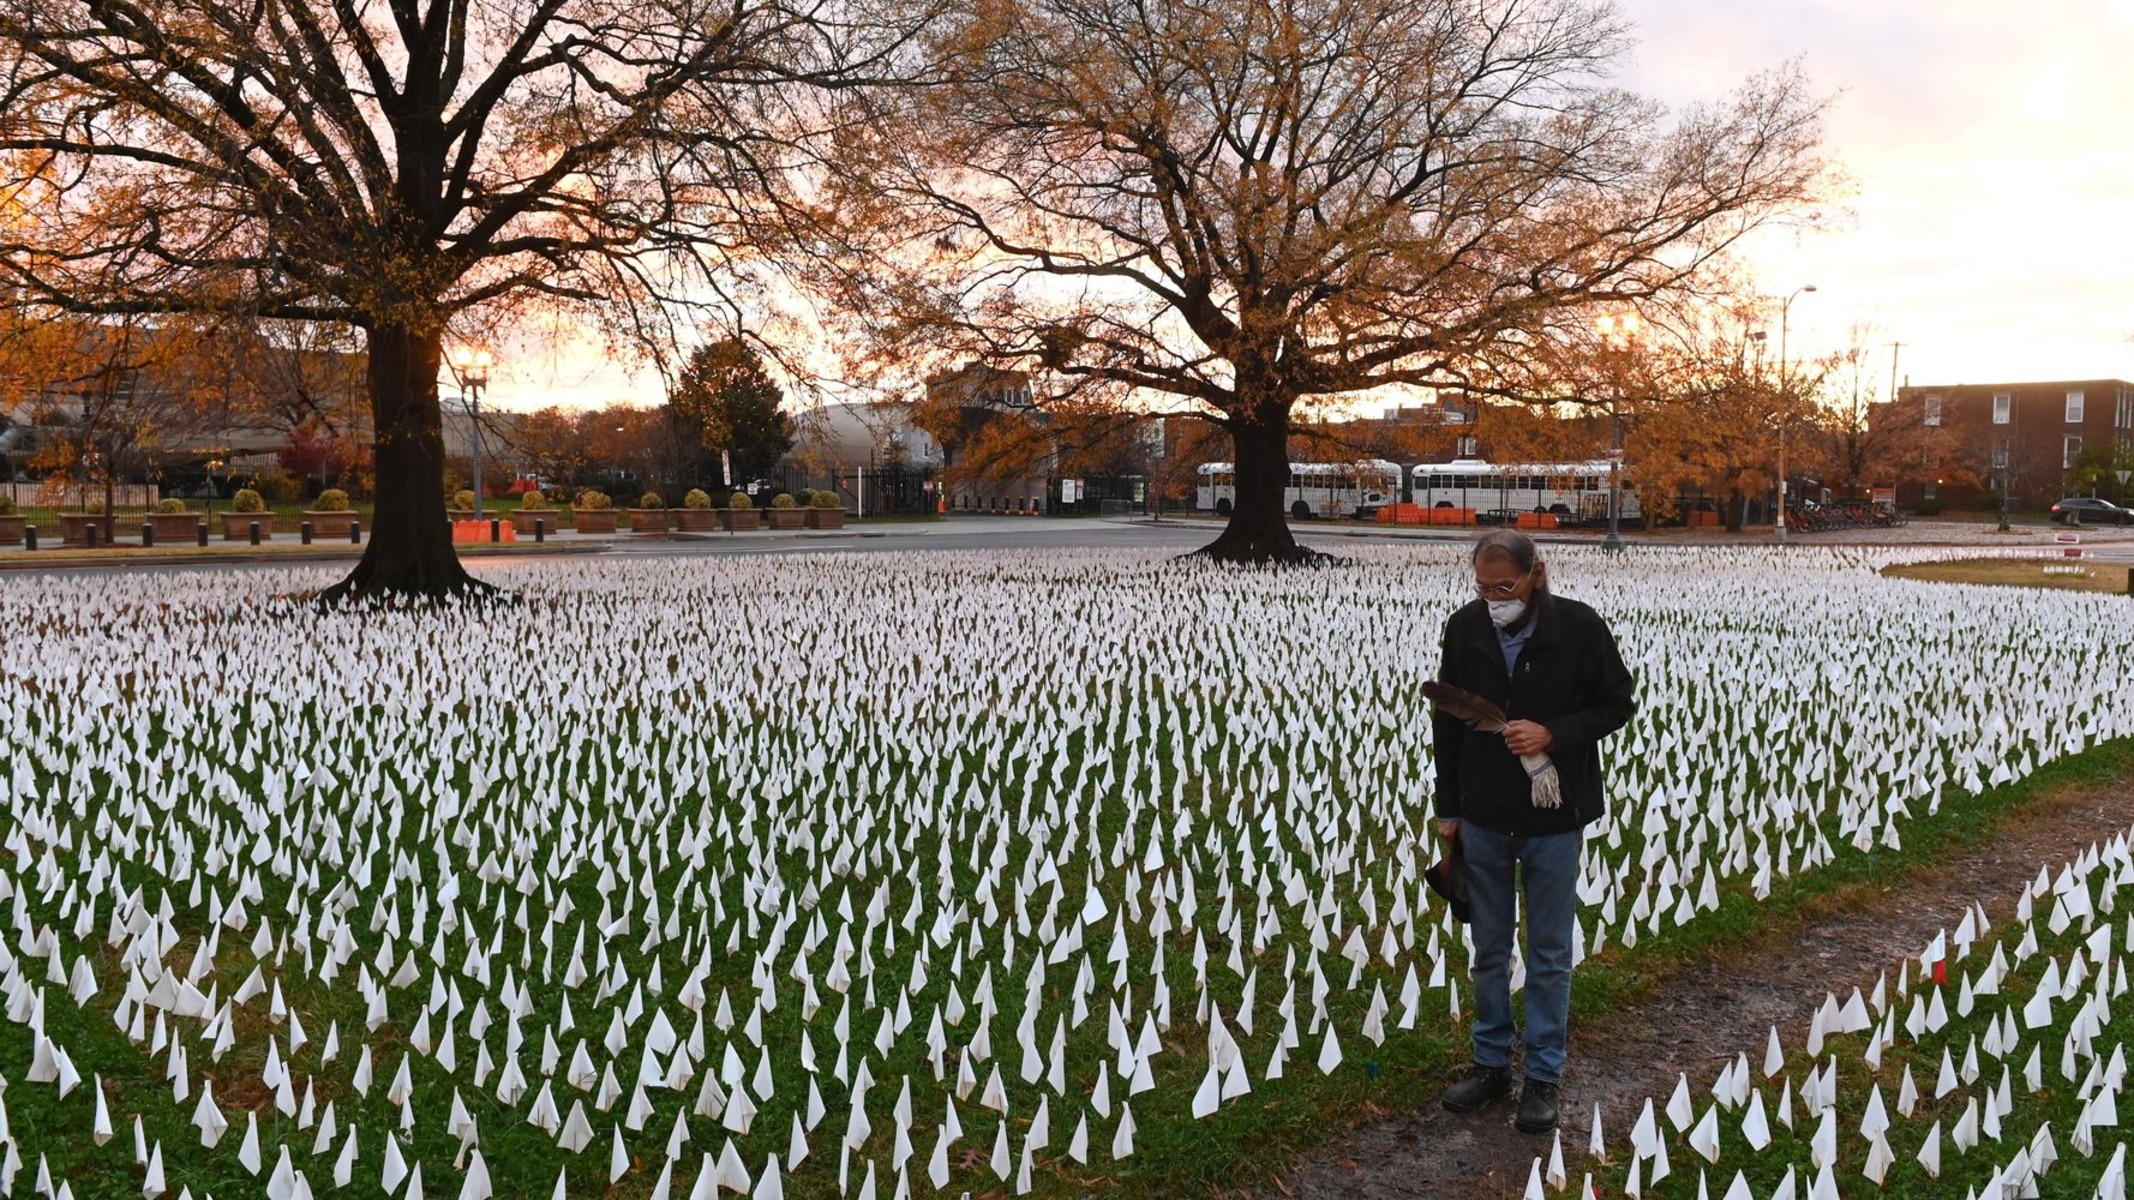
{"x": 1704, "y": 1016}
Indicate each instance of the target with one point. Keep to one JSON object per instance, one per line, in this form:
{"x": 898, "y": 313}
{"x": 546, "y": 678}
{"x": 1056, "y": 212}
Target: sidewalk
{"x": 286, "y": 548}
{"x": 1920, "y": 532}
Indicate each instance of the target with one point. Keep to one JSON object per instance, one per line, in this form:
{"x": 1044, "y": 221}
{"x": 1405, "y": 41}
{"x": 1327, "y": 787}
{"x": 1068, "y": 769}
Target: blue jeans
{"x": 1547, "y": 882}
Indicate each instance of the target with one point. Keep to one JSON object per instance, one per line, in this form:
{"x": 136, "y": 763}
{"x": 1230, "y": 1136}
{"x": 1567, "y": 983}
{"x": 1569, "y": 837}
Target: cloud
{"x": 1992, "y": 159}
{"x": 1991, "y": 152}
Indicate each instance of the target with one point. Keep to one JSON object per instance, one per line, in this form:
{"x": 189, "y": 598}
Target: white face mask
{"x": 1506, "y": 612}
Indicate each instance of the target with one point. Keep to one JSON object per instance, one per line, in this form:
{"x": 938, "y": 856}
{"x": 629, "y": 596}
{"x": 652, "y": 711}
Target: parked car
{"x": 2092, "y": 511}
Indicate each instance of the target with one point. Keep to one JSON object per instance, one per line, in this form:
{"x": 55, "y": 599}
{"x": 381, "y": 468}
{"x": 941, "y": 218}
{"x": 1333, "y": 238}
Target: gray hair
{"x": 1508, "y": 544}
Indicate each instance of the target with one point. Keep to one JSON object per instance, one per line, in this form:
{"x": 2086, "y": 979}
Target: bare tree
{"x": 405, "y": 167}
{"x": 1245, "y": 208}
{"x": 124, "y": 399}
{"x": 1701, "y": 406}
{"x": 1857, "y": 438}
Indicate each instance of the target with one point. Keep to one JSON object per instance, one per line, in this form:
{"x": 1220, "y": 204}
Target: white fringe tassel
{"x": 1541, "y": 773}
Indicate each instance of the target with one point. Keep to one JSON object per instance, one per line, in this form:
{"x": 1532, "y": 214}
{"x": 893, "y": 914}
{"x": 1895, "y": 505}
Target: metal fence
{"x": 866, "y": 491}
{"x": 50, "y": 493}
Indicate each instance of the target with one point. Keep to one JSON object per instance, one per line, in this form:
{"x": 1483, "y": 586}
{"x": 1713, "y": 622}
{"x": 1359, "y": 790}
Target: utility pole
{"x": 1785, "y": 411}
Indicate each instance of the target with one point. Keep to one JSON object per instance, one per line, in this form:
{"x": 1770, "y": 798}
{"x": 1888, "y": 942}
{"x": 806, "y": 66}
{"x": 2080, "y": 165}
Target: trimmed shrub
{"x": 740, "y": 500}
{"x": 594, "y": 500}
{"x": 697, "y": 498}
{"x": 7, "y": 506}
{"x": 532, "y": 498}
{"x": 279, "y": 486}
{"x": 463, "y": 499}
{"x": 651, "y": 500}
{"x": 171, "y": 507}
{"x": 783, "y": 500}
{"x": 332, "y": 500}
{"x": 245, "y": 500}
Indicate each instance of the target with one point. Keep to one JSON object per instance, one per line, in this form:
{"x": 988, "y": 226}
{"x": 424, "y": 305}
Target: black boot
{"x": 1477, "y": 1087}
{"x": 1537, "y": 1107}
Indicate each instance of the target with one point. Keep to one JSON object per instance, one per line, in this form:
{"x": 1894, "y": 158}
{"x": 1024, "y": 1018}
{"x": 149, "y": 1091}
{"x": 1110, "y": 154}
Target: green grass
{"x": 665, "y": 737}
{"x": 2056, "y": 1105}
{"x": 1742, "y": 927}
{"x": 2018, "y": 572}
{"x": 1252, "y": 1140}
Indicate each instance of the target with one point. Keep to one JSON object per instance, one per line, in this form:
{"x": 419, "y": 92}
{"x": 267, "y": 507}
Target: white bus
{"x": 1575, "y": 491}
{"x": 1356, "y": 489}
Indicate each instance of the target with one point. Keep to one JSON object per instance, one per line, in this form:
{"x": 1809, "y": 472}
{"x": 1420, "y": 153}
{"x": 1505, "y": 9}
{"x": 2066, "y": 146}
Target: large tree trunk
{"x": 1258, "y": 531}
{"x": 410, "y": 551}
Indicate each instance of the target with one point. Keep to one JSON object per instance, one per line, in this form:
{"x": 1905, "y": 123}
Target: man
{"x": 1552, "y": 666}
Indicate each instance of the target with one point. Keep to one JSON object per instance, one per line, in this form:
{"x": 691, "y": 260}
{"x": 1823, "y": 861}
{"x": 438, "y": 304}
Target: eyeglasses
{"x": 1500, "y": 591}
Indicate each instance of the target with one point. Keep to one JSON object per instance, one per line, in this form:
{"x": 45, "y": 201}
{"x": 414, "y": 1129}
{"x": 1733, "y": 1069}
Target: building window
{"x": 2070, "y": 450}
{"x": 1933, "y": 410}
{"x": 1930, "y": 492}
{"x": 2000, "y": 456}
{"x": 1467, "y": 447}
{"x": 2003, "y": 403}
{"x": 2074, "y": 408}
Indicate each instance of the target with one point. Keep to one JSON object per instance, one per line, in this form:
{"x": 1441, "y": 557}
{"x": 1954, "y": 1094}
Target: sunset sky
{"x": 1990, "y": 222}
{"x": 1991, "y": 226}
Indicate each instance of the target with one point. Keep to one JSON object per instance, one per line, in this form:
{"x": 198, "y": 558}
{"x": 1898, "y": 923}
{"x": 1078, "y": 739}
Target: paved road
{"x": 974, "y": 533}
{"x": 962, "y": 533}
{"x": 995, "y": 533}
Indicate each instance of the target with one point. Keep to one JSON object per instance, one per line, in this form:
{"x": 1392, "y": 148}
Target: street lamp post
{"x": 471, "y": 369}
{"x": 1785, "y": 401}
{"x": 1616, "y": 332}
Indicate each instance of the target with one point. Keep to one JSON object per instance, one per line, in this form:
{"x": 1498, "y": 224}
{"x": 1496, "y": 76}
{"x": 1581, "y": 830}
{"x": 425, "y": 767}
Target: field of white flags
{"x": 1988, "y": 1066}
{"x": 887, "y": 875}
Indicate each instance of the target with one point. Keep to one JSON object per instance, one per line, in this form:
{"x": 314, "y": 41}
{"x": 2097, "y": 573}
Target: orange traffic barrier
{"x": 1416, "y": 514}
{"x": 1534, "y": 520}
{"x": 478, "y": 531}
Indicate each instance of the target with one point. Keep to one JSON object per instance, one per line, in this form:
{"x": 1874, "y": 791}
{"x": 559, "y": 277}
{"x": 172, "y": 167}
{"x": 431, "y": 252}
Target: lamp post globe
{"x": 470, "y": 368}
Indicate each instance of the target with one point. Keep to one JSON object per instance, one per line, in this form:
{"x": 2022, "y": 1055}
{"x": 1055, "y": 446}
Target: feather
{"x": 1466, "y": 706}
{"x": 1546, "y": 786}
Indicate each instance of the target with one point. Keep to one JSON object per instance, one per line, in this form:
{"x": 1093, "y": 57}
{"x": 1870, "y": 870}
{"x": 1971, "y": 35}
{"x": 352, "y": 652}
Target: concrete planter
{"x": 333, "y": 525}
{"x": 826, "y": 518}
{"x": 234, "y": 526}
{"x": 173, "y": 529}
{"x": 696, "y": 520}
{"x": 522, "y": 520}
{"x": 786, "y": 518}
{"x": 74, "y": 528}
{"x": 11, "y": 530}
{"x": 648, "y": 520}
{"x": 593, "y": 520}
{"x": 741, "y": 520}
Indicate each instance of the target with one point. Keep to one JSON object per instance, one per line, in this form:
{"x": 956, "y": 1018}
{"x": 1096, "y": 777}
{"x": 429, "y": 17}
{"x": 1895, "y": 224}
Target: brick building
{"x": 2027, "y": 438}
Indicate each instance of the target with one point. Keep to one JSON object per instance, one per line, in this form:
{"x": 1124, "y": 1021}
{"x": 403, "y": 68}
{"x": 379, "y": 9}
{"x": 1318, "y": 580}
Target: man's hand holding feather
{"x": 1527, "y": 737}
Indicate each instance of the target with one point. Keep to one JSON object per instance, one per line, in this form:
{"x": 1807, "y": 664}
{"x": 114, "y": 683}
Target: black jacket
{"x": 1571, "y": 679}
